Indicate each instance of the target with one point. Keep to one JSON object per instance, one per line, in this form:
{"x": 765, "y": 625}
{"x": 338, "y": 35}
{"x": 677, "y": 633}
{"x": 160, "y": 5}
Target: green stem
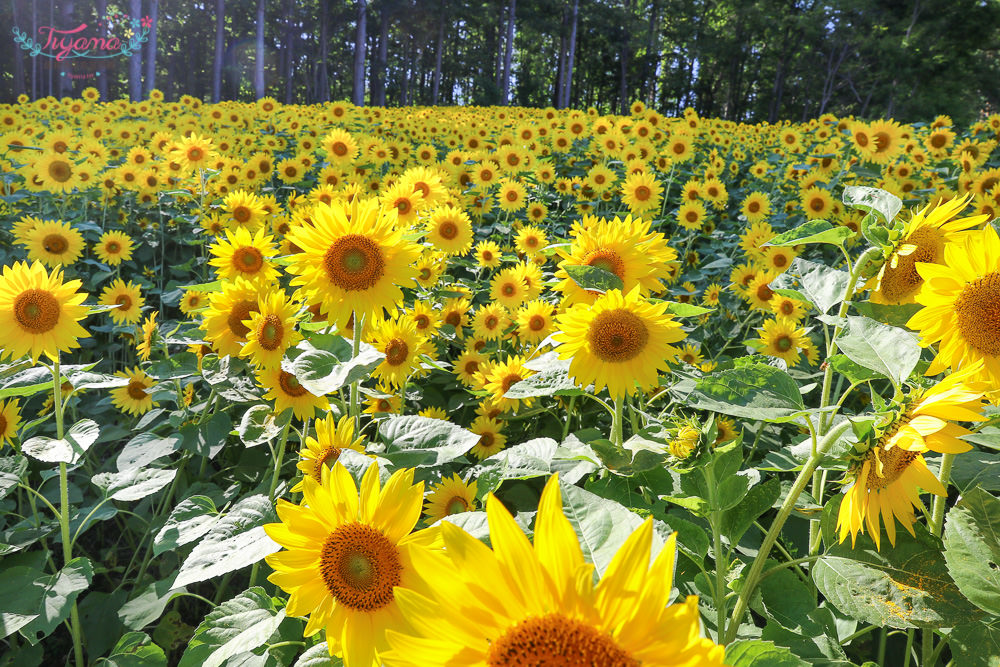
{"x": 721, "y": 560}
{"x": 359, "y": 323}
{"x": 937, "y": 507}
{"x": 883, "y": 637}
{"x": 805, "y": 475}
{"x": 278, "y": 459}
{"x": 909, "y": 647}
{"x": 569, "y": 416}
{"x": 616, "y": 424}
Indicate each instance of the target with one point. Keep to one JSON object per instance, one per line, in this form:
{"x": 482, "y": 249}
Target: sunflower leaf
{"x": 889, "y": 351}
{"x": 873, "y": 200}
{"x": 976, "y": 644}
{"x": 11, "y": 469}
{"x": 593, "y": 278}
{"x": 814, "y": 231}
{"x": 234, "y": 627}
{"x": 972, "y": 548}
{"x": 751, "y": 389}
{"x": 812, "y": 282}
{"x": 757, "y": 653}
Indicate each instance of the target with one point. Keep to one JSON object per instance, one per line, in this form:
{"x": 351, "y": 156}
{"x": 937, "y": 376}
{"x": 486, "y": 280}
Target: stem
{"x": 278, "y": 459}
{"x": 801, "y": 481}
{"x": 909, "y": 647}
{"x": 721, "y": 562}
{"x": 937, "y": 507}
{"x": 359, "y": 323}
{"x": 616, "y": 424}
{"x": 883, "y": 637}
{"x": 569, "y": 416}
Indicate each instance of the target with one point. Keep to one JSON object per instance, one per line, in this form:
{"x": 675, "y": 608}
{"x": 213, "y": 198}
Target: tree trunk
{"x": 499, "y": 59}
{"x": 624, "y": 59}
{"x": 220, "y": 49}
{"x": 323, "y": 84}
{"x": 154, "y": 12}
{"x": 381, "y": 58}
{"x": 571, "y": 56}
{"x": 135, "y": 62}
{"x": 258, "y": 74}
{"x": 436, "y": 83}
{"x": 561, "y": 55}
{"x": 508, "y": 55}
{"x": 647, "y": 76}
{"x": 358, "y": 89}
{"x": 290, "y": 34}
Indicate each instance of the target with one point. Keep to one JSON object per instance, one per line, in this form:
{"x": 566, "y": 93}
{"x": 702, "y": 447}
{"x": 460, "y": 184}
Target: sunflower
{"x": 145, "y": 346}
{"x": 777, "y": 259}
{"x": 402, "y": 346}
{"x": 426, "y": 181}
{"x": 501, "y": 376}
{"x": 691, "y": 214}
{"x": 888, "y": 474}
{"x": 511, "y": 196}
{"x": 690, "y": 354}
{"x": 491, "y": 440}
{"x": 467, "y": 365}
{"x": 508, "y": 288}
{"x": 754, "y": 237}
{"x": 55, "y": 172}
{"x": 10, "y": 419}
{"x": 535, "y": 321}
{"x": 348, "y": 556}
{"x": 39, "y": 313}
{"x": 488, "y": 254}
{"x": 287, "y": 392}
{"x": 54, "y": 243}
{"x": 386, "y": 403}
{"x": 788, "y": 308}
{"x": 406, "y": 201}
{"x": 641, "y": 192}
{"x": 816, "y": 203}
{"x": 244, "y": 210}
{"x": 424, "y": 318}
{"x": 223, "y": 320}
{"x": 454, "y": 313}
{"x": 758, "y": 291}
{"x": 620, "y": 341}
{"x": 490, "y": 321}
{"x": 924, "y": 240}
{"x": 340, "y": 147}
{"x": 450, "y": 496}
{"x": 354, "y": 257}
{"x": 193, "y": 301}
{"x": 541, "y": 606}
{"x": 782, "y": 338}
{"x": 429, "y": 268}
{"x": 245, "y": 255}
{"x": 128, "y": 297}
{"x": 113, "y": 248}
{"x": 450, "y": 230}
{"x": 434, "y": 412}
{"x": 133, "y": 398}
{"x": 194, "y": 152}
{"x": 319, "y": 454}
{"x": 271, "y": 329}
{"x": 530, "y": 240}
{"x": 684, "y": 442}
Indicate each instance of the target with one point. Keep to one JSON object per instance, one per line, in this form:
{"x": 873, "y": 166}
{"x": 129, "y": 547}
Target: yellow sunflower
{"x": 10, "y": 419}
{"x": 886, "y": 479}
{"x": 490, "y": 321}
{"x": 501, "y": 376}
{"x": 508, "y": 288}
{"x": 641, "y": 192}
{"x": 287, "y": 392}
{"x": 816, "y": 203}
{"x": 128, "y": 297}
{"x": 348, "y": 555}
{"x": 620, "y": 341}
{"x": 245, "y": 255}
{"x": 113, "y": 248}
{"x": 541, "y": 605}
{"x": 194, "y": 151}
{"x": 450, "y": 496}
{"x": 340, "y": 147}
{"x": 530, "y": 240}
{"x": 450, "y": 230}
{"x": 144, "y": 347}
{"x": 54, "y": 243}
{"x": 354, "y": 257}
{"x": 223, "y": 320}
{"x": 511, "y": 196}
{"x": 56, "y": 172}
{"x": 535, "y": 321}
{"x": 39, "y": 313}
{"x": 488, "y": 254}
{"x": 321, "y": 452}
{"x": 691, "y": 214}
{"x": 271, "y": 329}
{"x": 402, "y": 346}
{"x": 133, "y": 398}
{"x": 245, "y": 209}
{"x": 491, "y": 440}
{"x": 192, "y": 301}
{"x": 467, "y": 364}
{"x": 924, "y": 240}
{"x": 782, "y": 338}
{"x": 424, "y": 318}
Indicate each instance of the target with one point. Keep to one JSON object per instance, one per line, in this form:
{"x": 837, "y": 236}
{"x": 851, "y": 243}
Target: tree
{"x": 135, "y": 62}
{"x": 258, "y": 76}
{"x": 220, "y": 49}
{"x": 358, "y": 89}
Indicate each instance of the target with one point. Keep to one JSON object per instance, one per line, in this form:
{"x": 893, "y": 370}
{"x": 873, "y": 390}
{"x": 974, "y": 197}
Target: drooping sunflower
{"x": 287, "y": 392}
{"x": 450, "y": 496}
{"x": 39, "y": 313}
{"x": 450, "y": 230}
{"x": 54, "y": 243}
{"x": 354, "y": 257}
{"x": 133, "y": 398}
{"x": 113, "y": 248}
{"x": 271, "y": 329}
{"x": 144, "y": 347}
{"x": 245, "y": 255}
{"x": 332, "y": 437}
{"x": 128, "y": 297}
{"x": 924, "y": 240}
{"x": 620, "y": 341}
{"x": 402, "y": 345}
{"x": 541, "y": 606}
{"x": 434, "y": 412}
{"x": 223, "y": 320}
{"x": 348, "y": 555}
{"x": 10, "y": 419}
{"x": 454, "y": 312}
{"x": 961, "y": 306}
{"x": 887, "y": 476}
{"x": 782, "y": 338}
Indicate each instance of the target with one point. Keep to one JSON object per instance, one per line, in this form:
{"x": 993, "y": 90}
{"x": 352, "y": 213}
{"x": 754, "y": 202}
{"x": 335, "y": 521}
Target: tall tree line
{"x": 744, "y": 60}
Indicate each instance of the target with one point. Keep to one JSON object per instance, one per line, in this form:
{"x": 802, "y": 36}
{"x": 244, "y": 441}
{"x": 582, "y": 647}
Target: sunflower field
{"x": 294, "y": 385}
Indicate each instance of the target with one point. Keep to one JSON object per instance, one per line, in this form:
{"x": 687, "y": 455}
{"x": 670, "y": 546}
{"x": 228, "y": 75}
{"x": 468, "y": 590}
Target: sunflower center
{"x": 360, "y": 566}
{"x": 453, "y": 318}
{"x": 354, "y": 263}
{"x": 60, "y": 171}
{"x": 491, "y": 322}
{"x": 861, "y": 138}
{"x": 270, "y": 332}
{"x": 616, "y": 336}
{"x": 248, "y": 260}
{"x": 241, "y": 311}
{"x": 606, "y": 259}
{"x": 642, "y": 193}
{"x": 783, "y": 343}
{"x": 327, "y": 458}
{"x": 113, "y": 247}
{"x": 422, "y": 321}
{"x": 554, "y": 639}
{"x": 536, "y": 323}
{"x": 509, "y": 381}
{"x": 448, "y": 230}
{"x": 894, "y": 462}
{"x": 290, "y": 385}
{"x": 882, "y": 142}
{"x": 55, "y": 244}
{"x": 194, "y": 154}
{"x": 124, "y": 300}
{"x": 242, "y": 214}
{"x": 36, "y": 311}
{"x": 978, "y": 308}
{"x": 3, "y": 424}
{"x": 339, "y": 148}
{"x": 136, "y": 389}
{"x": 753, "y": 207}
{"x": 486, "y": 440}
{"x": 764, "y": 292}
{"x": 778, "y": 260}
{"x": 787, "y": 308}
{"x": 692, "y": 216}
{"x": 512, "y": 195}
{"x": 403, "y": 205}
{"x": 456, "y": 505}
{"x": 817, "y": 204}
{"x": 396, "y": 352}
{"x": 508, "y": 289}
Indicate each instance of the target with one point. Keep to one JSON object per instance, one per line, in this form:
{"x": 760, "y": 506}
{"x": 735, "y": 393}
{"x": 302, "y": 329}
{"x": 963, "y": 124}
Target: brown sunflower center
{"x": 270, "y": 332}
{"x": 456, "y": 505}
{"x": 509, "y": 381}
{"x": 616, "y": 336}
{"x": 194, "y": 154}
{"x": 290, "y": 385}
{"x": 978, "y": 309}
{"x": 453, "y": 318}
{"x": 894, "y": 462}
{"x": 124, "y": 300}
{"x": 3, "y": 425}
{"x": 327, "y": 458}
{"x": 136, "y": 389}
{"x": 241, "y": 311}
{"x": 536, "y": 323}
{"x": 692, "y": 216}
{"x": 339, "y": 148}
{"x": 242, "y": 214}
{"x": 554, "y": 639}
{"x": 60, "y": 171}
{"x": 396, "y": 352}
{"x": 764, "y": 292}
{"x": 36, "y": 311}
{"x": 448, "y": 230}
{"x": 360, "y": 566}
{"x": 55, "y": 244}
{"x": 642, "y": 193}
{"x": 113, "y": 248}
{"x": 783, "y": 343}
{"x": 491, "y": 322}
{"x": 354, "y": 263}
{"x": 606, "y": 259}
{"x": 508, "y": 289}
{"x": 512, "y": 195}
{"x": 882, "y": 142}
{"x": 422, "y": 321}
{"x": 486, "y": 440}
{"x": 817, "y": 204}
{"x": 248, "y": 260}
{"x": 779, "y": 260}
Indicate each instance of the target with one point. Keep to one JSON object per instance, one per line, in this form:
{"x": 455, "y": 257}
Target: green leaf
{"x": 318, "y": 656}
{"x": 890, "y": 351}
{"x": 737, "y": 520}
{"x": 136, "y": 649}
{"x": 975, "y": 644}
{"x": 976, "y": 468}
{"x": 234, "y": 627}
{"x": 412, "y": 441}
{"x": 816, "y": 283}
{"x": 258, "y": 425}
{"x": 785, "y": 599}
{"x": 752, "y": 389}
{"x": 133, "y": 484}
{"x": 552, "y": 381}
{"x": 236, "y": 541}
{"x": 972, "y": 548}
{"x": 148, "y": 605}
{"x": 896, "y": 316}
{"x": 68, "y": 449}
{"x": 637, "y": 454}
{"x": 873, "y": 200}
{"x": 86, "y": 380}
{"x": 30, "y": 381}
{"x": 58, "y": 593}
{"x": 757, "y": 653}
{"x": 209, "y": 438}
{"x": 905, "y": 586}
{"x": 855, "y": 373}
{"x": 687, "y": 309}
{"x": 11, "y": 470}
{"x": 601, "y": 525}
{"x": 593, "y": 278}
{"x": 814, "y": 231}
{"x": 323, "y": 371}
{"x": 192, "y": 518}
{"x": 145, "y": 448}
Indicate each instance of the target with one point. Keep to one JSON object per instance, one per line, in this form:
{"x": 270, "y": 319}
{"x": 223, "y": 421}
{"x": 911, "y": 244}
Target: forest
{"x": 766, "y": 60}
